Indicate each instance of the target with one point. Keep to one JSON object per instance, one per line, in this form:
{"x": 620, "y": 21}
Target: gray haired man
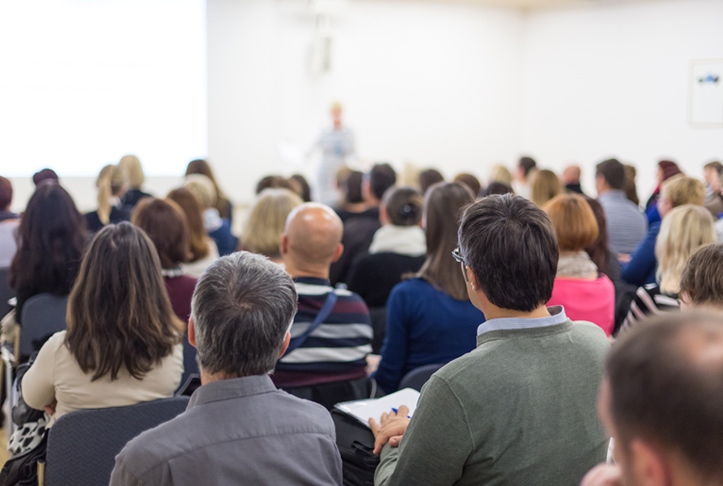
{"x": 238, "y": 428}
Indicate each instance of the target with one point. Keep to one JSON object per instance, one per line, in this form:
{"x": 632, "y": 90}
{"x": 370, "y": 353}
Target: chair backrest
{"x": 379, "y": 325}
{"x": 190, "y": 365}
{"x": 419, "y": 376}
{"x": 43, "y": 316}
{"x": 82, "y": 445}
{"x": 6, "y": 293}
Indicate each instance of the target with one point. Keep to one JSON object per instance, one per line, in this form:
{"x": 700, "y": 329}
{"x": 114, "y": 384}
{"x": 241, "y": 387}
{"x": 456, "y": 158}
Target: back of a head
{"x": 131, "y": 165}
{"x": 202, "y": 188}
{"x": 275, "y": 182}
{"x": 613, "y": 172}
{"x": 52, "y": 235}
{"x": 665, "y": 387}
{"x": 110, "y": 182}
{"x": 443, "y": 205}
{"x": 200, "y": 166}
{"x": 403, "y": 206}
{"x": 573, "y": 220}
{"x": 381, "y": 178}
{"x": 702, "y": 281}
{"x": 599, "y": 250}
{"x": 684, "y": 230}
{"x": 119, "y": 315}
{"x": 242, "y": 307}
{"x": 304, "y": 187}
{"x": 198, "y": 238}
{"x": 500, "y": 173}
{"x": 680, "y": 190}
{"x": 44, "y": 175}
{"x": 527, "y": 164}
{"x": 352, "y": 188}
{"x": 498, "y": 188}
{"x": 470, "y": 181}
{"x": 429, "y": 177}
{"x": 6, "y": 194}
{"x": 267, "y": 219}
{"x": 510, "y": 245}
{"x": 314, "y": 233}
{"x": 629, "y": 186}
{"x": 165, "y": 224}
{"x": 545, "y": 186}
{"x": 668, "y": 169}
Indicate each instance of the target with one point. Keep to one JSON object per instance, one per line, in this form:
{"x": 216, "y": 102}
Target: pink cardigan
{"x": 586, "y": 300}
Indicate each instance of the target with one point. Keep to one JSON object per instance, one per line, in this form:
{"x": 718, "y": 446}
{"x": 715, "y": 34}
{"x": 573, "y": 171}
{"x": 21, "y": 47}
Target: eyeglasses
{"x": 458, "y": 256}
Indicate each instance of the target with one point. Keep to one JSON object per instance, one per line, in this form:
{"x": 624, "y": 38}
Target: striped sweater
{"x": 337, "y": 348}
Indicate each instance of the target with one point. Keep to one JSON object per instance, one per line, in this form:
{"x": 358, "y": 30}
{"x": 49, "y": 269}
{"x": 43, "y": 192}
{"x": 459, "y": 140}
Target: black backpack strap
{"x": 324, "y": 312}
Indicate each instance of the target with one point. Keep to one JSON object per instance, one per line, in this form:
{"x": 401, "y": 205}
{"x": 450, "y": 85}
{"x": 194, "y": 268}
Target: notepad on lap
{"x": 375, "y": 407}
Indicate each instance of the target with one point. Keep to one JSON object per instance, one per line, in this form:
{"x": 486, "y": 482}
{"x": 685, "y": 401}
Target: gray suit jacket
{"x": 240, "y": 431}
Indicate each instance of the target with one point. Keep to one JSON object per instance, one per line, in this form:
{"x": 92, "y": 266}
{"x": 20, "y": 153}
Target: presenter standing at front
{"x": 337, "y": 149}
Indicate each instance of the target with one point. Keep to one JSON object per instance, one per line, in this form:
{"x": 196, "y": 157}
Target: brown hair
{"x": 574, "y": 222}
{"x": 200, "y": 166}
{"x": 403, "y": 206}
{"x": 165, "y": 225}
{"x": 429, "y": 177}
{"x": 197, "y": 237}
{"x": 470, "y": 181}
{"x": 665, "y": 381}
{"x": 443, "y": 205}
{"x": 119, "y": 315}
{"x": 629, "y": 186}
{"x": 702, "y": 280}
{"x": 613, "y": 172}
{"x": 599, "y": 250}
{"x": 6, "y": 193}
{"x": 545, "y": 186}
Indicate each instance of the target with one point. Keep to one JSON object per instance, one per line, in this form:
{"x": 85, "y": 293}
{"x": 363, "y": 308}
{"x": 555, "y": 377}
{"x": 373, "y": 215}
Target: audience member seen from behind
{"x": 266, "y": 221}
{"x": 238, "y": 428}
{"x": 327, "y": 365}
{"x": 684, "y": 230}
{"x": 580, "y": 287}
{"x": 500, "y": 173}
{"x": 712, "y": 174}
{"x": 276, "y": 182}
{"x": 430, "y": 319}
{"x": 470, "y": 181}
{"x": 51, "y": 238}
{"x": 9, "y": 222}
{"x": 666, "y": 170}
{"x": 398, "y": 247}
{"x": 524, "y": 173}
{"x": 660, "y": 440}
{"x": 359, "y": 231}
{"x": 497, "y": 188}
{"x": 304, "y": 187}
{"x": 629, "y": 186}
{"x": 626, "y": 223}
{"x": 674, "y": 192}
{"x": 571, "y": 179}
{"x": 217, "y": 227}
{"x": 352, "y": 200}
{"x": 45, "y": 175}
{"x": 545, "y": 186}
{"x": 701, "y": 285}
{"x": 165, "y": 225}
{"x": 599, "y": 251}
{"x": 123, "y": 342}
{"x": 220, "y": 201}
{"x": 112, "y": 184}
{"x": 203, "y": 249}
{"x": 131, "y": 165}
{"x": 532, "y": 366}
{"x": 427, "y": 178}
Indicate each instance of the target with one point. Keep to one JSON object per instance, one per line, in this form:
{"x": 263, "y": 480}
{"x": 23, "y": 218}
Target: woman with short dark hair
{"x": 123, "y": 342}
{"x": 430, "y": 318}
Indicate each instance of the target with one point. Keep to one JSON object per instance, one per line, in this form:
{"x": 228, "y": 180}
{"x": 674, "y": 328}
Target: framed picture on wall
{"x": 706, "y": 93}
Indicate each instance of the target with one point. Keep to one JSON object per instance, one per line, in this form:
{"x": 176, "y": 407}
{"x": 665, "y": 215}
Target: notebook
{"x": 362, "y": 410}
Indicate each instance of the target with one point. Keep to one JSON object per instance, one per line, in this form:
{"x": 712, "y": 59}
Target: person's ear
{"x": 470, "y": 277}
{"x": 647, "y": 464}
{"x": 191, "y": 332}
{"x": 284, "y": 244}
{"x": 338, "y": 253}
{"x": 285, "y": 346}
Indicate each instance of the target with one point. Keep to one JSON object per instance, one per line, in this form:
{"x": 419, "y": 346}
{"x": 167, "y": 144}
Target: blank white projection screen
{"x": 84, "y": 82}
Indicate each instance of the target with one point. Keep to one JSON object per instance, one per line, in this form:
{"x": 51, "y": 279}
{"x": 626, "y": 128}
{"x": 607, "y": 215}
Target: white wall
{"x": 613, "y": 80}
{"x": 436, "y": 84}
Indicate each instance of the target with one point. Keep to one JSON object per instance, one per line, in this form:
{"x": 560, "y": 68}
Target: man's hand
{"x": 393, "y": 425}
{"x": 603, "y": 475}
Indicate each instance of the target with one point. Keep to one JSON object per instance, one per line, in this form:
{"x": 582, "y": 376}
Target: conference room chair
{"x": 418, "y": 377}
{"x": 6, "y": 293}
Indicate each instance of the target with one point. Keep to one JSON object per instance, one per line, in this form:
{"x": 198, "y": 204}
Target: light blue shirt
{"x": 557, "y": 316}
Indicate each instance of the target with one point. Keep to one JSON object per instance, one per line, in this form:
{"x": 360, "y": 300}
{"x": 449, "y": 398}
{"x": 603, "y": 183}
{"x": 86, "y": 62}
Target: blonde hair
{"x": 684, "y": 230}
{"x": 131, "y": 165}
{"x": 265, "y": 224}
{"x": 680, "y": 190}
{"x": 110, "y": 182}
{"x": 545, "y": 186}
{"x": 202, "y": 188}
{"x": 500, "y": 173}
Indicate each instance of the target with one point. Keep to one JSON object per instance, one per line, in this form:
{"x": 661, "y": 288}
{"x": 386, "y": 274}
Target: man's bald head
{"x": 571, "y": 174}
{"x": 312, "y": 235}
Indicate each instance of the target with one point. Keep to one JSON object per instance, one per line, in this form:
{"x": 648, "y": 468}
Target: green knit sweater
{"x": 518, "y": 410}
